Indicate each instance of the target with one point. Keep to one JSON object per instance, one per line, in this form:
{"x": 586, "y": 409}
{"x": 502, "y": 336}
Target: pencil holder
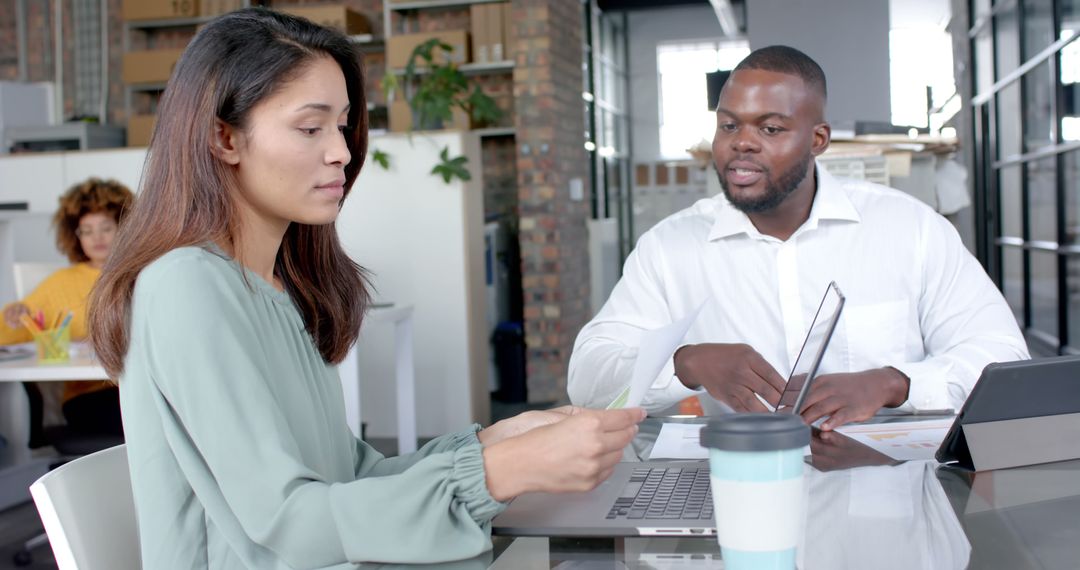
{"x": 53, "y": 345}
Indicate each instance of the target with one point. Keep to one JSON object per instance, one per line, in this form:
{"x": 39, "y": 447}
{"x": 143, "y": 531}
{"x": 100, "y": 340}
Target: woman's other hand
{"x": 13, "y": 313}
{"x": 572, "y": 455}
{"x": 524, "y": 422}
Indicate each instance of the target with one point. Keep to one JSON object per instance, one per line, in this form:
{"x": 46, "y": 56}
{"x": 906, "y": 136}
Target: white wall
{"x": 848, "y": 38}
{"x": 647, "y": 29}
{"x": 39, "y": 180}
{"x": 422, "y": 240}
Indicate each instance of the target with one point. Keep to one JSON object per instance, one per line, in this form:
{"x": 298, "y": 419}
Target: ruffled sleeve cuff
{"x": 469, "y": 482}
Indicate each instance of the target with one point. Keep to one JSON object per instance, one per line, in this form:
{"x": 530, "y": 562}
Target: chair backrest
{"x": 89, "y": 513}
{"x": 29, "y": 273}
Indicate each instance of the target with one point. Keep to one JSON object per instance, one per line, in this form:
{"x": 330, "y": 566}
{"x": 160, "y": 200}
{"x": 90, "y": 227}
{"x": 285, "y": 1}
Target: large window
{"x": 1026, "y": 143}
{"x": 921, "y": 81}
{"x": 685, "y": 118}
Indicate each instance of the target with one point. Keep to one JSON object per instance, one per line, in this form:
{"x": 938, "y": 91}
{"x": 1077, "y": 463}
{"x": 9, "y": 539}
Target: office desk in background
{"x": 18, "y": 467}
{"x": 401, "y": 317}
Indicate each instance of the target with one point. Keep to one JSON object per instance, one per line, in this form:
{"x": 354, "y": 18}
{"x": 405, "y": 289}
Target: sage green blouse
{"x": 239, "y": 452}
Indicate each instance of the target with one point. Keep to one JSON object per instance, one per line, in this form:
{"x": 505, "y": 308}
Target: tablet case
{"x": 1019, "y": 413}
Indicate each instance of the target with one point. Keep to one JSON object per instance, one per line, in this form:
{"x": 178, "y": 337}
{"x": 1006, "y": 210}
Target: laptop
{"x": 659, "y": 498}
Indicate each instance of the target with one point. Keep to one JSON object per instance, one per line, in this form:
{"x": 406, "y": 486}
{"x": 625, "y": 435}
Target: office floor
{"x": 21, "y": 522}
{"x": 17, "y": 525}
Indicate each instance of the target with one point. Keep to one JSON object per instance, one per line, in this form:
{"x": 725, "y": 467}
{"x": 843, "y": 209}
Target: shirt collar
{"x": 831, "y": 202}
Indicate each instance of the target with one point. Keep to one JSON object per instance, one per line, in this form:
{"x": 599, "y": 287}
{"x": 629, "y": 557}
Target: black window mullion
{"x": 1056, "y": 114}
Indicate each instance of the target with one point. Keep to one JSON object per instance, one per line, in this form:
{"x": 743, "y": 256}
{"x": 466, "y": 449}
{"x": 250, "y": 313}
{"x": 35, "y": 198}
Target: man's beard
{"x": 775, "y": 190}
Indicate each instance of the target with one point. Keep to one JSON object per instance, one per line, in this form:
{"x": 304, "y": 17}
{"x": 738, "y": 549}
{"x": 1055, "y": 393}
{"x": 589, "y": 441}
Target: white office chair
{"x": 89, "y": 513}
{"x": 29, "y": 273}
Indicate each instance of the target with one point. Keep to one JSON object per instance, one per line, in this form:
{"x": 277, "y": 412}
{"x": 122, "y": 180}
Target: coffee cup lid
{"x": 755, "y": 432}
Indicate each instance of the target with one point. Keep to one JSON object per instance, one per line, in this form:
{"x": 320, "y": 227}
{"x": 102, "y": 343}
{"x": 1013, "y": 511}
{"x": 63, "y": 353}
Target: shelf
{"x": 367, "y": 43}
{"x": 146, "y": 87}
{"x": 473, "y": 68}
{"x": 68, "y": 136}
{"x": 167, "y": 23}
{"x": 405, "y": 6}
{"x": 496, "y": 132}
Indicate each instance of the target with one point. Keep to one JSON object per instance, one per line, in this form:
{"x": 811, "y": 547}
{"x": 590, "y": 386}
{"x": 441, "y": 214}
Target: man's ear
{"x": 225, "y": 142}
{"x": 822, "y": 136}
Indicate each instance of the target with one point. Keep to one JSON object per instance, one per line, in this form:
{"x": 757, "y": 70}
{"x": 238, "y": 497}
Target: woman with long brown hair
{"x": 225, "y": 305}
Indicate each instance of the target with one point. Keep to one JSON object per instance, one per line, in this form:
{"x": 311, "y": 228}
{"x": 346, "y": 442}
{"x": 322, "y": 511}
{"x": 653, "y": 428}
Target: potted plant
{"x": 439, "y": 95}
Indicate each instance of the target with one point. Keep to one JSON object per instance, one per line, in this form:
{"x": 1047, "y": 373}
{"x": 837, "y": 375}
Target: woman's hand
{"x": 524, "y": 422}
{"x": 572, "y": 455}
{"x": 13, "y": 313}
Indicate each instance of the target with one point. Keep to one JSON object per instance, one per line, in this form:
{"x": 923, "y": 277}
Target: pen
{"x": 64, "y": 324}
{"x": 29, "y": 323}
{"x": 59, "y": 317}
{"x": 939, "y": 412}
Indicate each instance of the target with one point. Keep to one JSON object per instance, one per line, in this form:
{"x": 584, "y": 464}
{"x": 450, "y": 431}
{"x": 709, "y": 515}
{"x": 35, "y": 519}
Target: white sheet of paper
{"x": 903, "y": 441}
{"x": 683, "y": 441}
{"x": 679, "y": 441}
{"x": 653, "y": 353}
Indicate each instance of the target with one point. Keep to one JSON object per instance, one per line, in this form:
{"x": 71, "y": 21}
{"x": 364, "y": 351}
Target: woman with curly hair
{"x": 85, "y": 224}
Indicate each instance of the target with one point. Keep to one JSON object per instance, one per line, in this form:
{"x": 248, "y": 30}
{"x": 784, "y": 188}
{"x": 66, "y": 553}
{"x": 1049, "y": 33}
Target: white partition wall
{"x": 422, "y": 240}
{"x": 39, "y": 179}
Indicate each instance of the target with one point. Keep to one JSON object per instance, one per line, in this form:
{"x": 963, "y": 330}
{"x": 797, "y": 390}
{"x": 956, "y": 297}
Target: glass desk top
{"x": 865, "y": 510}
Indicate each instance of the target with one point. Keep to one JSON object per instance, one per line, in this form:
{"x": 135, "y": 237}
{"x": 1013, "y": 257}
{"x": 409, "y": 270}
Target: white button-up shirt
{"x": 916, "y": 298}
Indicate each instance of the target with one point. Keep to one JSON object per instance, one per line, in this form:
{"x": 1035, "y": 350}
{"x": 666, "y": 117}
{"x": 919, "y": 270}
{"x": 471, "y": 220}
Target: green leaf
{"x": 389, "y": 85}
{"x": 481, "y": 107}
{"x": 450, "y": 168}
{"x": 381, "y": 158}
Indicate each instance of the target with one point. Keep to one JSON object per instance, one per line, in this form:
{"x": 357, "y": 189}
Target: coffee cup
{"x": 756, "y": 471}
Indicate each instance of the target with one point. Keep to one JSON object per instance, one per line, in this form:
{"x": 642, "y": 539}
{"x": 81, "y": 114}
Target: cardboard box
{"x": 159, "y": 9}
{"x": 399, "y": 48}
{"x": 494, "y": 23}
{"x": 508, "y": 31}
{"x": 481, "y": 44}
{"x": 401, "y": 118}
{"x": 151, "y": 66}
{"x": 218, "y": 7}
{"x": 338, "y": 17}
{"x": 139, "y": 129}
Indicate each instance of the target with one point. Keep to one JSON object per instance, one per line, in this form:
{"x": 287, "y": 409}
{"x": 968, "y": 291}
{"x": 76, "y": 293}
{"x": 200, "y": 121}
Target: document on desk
{"x": 654, "y": 351}
{"x": 679, "y": 441}
{"x": 903, "y": 441}
{"x": 16, "y": 351}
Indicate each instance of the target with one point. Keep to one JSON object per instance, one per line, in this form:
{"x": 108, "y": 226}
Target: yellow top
{"x": 65, "y": 290}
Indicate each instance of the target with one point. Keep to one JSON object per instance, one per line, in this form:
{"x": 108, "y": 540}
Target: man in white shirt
{"x": 922, "y": 318}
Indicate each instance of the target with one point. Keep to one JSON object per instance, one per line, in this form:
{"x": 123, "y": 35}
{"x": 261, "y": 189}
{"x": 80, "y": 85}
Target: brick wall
{"x": 9, "y": 52}
{"x": 550, "y": 125}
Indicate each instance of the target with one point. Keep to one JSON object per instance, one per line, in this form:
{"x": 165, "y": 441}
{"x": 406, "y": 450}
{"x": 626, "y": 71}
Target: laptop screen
{"x": 813, "y": 349}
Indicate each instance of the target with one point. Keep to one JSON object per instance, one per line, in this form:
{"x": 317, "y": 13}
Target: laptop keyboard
{"x": 665, "y": 493}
